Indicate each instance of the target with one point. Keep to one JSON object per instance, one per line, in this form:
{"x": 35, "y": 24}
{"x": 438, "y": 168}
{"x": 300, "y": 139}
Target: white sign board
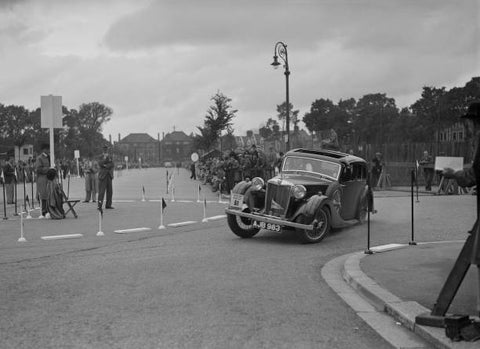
{"x": 194, "y": 157}
{"x": 442, "y": 162}
{"x": 76, "y": 154}
{"x": 126, "y": 158}
{"x": 51, "y": 111}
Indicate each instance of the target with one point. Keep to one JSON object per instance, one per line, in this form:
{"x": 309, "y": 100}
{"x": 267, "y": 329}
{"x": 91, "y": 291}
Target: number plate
{"x": 268, "y": 226}
{"x": 236, "y": 200}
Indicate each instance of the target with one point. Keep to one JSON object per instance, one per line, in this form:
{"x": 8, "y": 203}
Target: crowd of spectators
{"x": 24, "y": 170}
{"x": 224, "y": 171}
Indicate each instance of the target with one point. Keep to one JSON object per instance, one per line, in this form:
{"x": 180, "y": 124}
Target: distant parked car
{"x": 168, "y": 164}
{"x": 316, "y": 190}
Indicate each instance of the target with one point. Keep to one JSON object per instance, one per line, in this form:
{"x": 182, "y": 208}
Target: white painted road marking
{"x": 57, "y": 237}
{"x": 181, "y": 224}
{"x": 132, "y": 230}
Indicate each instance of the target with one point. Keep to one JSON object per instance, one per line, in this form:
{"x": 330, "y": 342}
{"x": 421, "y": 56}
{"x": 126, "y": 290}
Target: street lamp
{"x": 281, "y": 51}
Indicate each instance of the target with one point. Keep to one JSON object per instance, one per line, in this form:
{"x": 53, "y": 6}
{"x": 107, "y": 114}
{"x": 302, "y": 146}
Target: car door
{"x": 353, "y": 183}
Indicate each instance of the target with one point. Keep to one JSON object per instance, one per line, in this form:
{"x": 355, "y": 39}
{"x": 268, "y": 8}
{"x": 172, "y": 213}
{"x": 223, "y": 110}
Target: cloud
{"x": 158, "y": 63}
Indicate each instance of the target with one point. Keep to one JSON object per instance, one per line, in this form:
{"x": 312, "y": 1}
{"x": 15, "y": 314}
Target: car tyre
{"x": 362, "y": 208}
{"x": 322, "y": 228}
{"x": 334, "y": 192}
{"x": 242, "y": 226}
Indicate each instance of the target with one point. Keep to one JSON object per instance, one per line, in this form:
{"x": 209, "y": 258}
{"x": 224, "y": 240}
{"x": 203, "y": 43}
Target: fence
{"x": 400, "y": 158}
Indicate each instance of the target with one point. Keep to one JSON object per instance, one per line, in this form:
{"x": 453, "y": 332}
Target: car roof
{"x": 326, "y": 154}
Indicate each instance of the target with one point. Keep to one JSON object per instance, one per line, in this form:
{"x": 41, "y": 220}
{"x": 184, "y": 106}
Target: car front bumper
{"x": 268, "y": 219}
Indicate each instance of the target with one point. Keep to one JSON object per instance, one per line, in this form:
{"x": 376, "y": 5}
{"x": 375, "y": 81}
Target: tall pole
{"x": 287, "y": 74}
{"x": 281, "y": 51}
{"x": 52, "y": 148}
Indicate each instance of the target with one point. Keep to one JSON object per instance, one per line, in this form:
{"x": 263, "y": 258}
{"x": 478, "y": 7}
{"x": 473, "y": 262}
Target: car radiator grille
{"x": 277, "y": 199}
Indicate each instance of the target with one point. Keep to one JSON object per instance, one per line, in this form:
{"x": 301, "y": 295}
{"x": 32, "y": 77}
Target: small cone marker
{"x": 22, "y": 238}
{"x": 100, "y": 217}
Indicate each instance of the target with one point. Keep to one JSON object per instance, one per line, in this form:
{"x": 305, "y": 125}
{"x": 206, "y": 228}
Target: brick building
{"x": 138, "y": 146}
{"x": 176, "y": 147}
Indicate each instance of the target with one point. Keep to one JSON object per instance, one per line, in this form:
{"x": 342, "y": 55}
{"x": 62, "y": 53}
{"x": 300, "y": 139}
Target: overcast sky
{"x": 158, "y": 63}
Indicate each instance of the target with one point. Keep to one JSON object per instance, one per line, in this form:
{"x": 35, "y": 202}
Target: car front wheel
{"x": 242, "y": 226}
{"x": 322, "y": 226}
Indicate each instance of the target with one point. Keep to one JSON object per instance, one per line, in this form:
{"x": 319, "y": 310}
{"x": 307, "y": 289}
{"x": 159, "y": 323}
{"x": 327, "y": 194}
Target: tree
{"x": 374, "y": 115}
{"x": 317, "y": 118}
{"x": 87, "y": 123}
{"x": 219, "y": 118}
{"x": 205, "y": 140}
{"x": 271, "y": 131}
{"x": 282, "y": 114}
{"x": 16, "y": 125}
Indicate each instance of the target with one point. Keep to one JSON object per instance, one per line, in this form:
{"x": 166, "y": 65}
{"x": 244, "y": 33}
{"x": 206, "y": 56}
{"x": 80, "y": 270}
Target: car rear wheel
{"x": 322, "y": 226}
{"x": 242, "y": 226}
{"x": 362, "y": 209}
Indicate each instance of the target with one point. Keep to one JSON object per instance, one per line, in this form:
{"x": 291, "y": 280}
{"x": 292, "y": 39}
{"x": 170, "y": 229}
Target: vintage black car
{"x": 316, "y": 190}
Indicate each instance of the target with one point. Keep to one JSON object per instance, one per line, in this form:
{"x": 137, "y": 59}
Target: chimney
{"x": 119, "y": 137}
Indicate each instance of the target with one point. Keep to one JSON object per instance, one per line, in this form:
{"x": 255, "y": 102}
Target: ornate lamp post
{"x": 281, "y": 51}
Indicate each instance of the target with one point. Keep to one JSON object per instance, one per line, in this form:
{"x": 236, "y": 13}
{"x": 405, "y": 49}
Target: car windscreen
{"x": 311, "y": 165}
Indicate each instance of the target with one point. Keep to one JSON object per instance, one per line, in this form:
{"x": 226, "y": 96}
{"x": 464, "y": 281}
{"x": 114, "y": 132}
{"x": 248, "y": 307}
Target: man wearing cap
{"x": 105, "y": 177}
{"x": 42, "y": 165}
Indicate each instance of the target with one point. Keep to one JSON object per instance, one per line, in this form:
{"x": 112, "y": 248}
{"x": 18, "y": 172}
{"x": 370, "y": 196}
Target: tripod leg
{"x": 451, "y": 286}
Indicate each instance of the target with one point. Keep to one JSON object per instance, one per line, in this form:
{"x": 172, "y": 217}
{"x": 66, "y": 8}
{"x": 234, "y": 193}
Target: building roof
{"x": 138, "y": 138}
{"x": 177, "y": 136}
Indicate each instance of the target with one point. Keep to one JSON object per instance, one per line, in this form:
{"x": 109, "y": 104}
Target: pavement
{"x": 391, "y": 286}
{"x": 400, "y": 282}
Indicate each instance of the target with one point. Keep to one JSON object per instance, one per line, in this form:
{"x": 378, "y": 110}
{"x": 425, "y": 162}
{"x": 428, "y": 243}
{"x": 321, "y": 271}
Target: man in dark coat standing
{"x": 10, "y": 180}
{"x": 42, "y": 165}
{"x": 105, "y": 177}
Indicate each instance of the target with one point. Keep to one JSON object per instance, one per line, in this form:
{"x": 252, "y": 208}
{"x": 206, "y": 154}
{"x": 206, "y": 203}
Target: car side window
{"x": 359, "y": 171}
{"x": 347, "y": 174}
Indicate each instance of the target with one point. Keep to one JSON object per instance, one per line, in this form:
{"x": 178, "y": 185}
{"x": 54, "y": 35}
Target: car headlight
{"x": 257, "y": 183}
{"x": 299, "y": 191}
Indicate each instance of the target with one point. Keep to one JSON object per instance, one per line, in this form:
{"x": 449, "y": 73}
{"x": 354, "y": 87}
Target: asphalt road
{"x": 195, "y": 286}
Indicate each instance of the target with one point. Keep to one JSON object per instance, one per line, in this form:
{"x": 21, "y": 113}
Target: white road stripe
{"x": 132, "y": 230}
{"x": 57, "y": 237}
{"x": 387, "y": 247}
{"x": 180, "y": 224}
{"x": 214, "y": 218}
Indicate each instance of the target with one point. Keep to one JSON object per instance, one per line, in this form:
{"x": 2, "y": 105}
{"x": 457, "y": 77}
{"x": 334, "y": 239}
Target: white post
{"x": 29, "y": 216}
{"x": 52, "y": 148}
{"x": 22, "y": 238}
{"x": 204, "y": 210}
{"x": 173, "y": 194}
{"x": 161, "y": 226}
{"x": 100, "y": 232}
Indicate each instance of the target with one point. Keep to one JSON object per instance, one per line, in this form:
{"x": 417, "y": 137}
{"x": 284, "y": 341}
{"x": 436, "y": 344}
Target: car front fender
{"x": 241, "y": 187}
{"x": 312, "y": 205}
